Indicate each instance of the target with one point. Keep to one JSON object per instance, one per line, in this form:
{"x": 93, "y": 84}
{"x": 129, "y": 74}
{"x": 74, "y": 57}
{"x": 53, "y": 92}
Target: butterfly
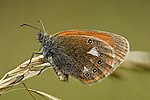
{"x": 86, "y": 55}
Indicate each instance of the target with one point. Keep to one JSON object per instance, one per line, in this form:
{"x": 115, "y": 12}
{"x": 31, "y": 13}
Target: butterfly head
{"x": 42, "y": 37}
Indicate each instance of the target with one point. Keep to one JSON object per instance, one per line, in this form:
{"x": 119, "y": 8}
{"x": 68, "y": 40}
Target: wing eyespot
{"x": 86, "y": 74}
{"x": 99, "y": 62}
{"x": 101, "y": 54}
{"x": 94, "y": 70}
{"x": 90, "y": 41}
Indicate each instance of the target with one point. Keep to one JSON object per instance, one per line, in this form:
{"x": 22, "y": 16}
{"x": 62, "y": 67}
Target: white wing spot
{"x": 85, "y": 69}
{"x": 93, "y": 52}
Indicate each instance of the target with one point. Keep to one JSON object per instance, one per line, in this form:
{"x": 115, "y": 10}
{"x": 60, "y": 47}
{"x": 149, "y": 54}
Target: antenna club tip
{"x": 23, "y": 25}
{"x": 39, "y": 20}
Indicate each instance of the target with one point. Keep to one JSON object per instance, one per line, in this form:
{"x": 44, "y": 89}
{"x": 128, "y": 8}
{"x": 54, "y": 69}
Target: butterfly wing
{"x": 89, "y": 55}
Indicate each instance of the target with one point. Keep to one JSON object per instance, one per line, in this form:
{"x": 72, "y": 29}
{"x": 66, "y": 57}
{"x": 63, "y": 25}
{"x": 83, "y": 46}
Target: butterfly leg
{"x": 49, "y": 60}
{"x": 34, "y": 53}
{"x": 42, "y": 70}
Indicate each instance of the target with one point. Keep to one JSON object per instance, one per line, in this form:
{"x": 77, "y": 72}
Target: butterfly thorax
{"x": 46, "y": 42}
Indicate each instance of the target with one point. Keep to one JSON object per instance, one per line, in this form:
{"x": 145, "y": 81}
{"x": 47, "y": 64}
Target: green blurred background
{"x": 130, "y": 18}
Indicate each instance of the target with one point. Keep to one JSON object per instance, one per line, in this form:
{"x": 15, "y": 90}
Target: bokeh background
{"x": 130, "y": 18}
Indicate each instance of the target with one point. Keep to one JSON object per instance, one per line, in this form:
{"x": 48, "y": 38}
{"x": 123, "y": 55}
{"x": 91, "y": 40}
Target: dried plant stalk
{"x": 26, "y": 70}
{"x": 23, "y": 71}
{"x": 137, "y": 60}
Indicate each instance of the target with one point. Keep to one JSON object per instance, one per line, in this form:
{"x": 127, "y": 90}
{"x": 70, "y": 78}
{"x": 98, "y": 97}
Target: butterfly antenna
{"x": 40, "y": 21}
{"x": 31, "y": 27}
